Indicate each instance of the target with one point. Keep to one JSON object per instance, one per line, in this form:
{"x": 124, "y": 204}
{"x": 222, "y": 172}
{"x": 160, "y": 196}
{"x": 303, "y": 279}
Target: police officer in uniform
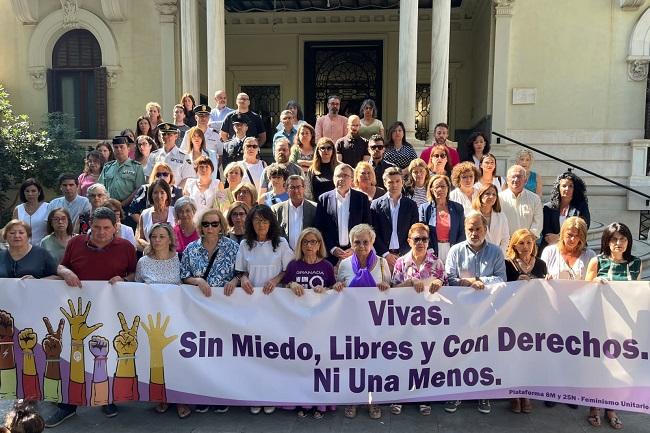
{"x": 123, "y": 176}
{"x": 180, "y": 163}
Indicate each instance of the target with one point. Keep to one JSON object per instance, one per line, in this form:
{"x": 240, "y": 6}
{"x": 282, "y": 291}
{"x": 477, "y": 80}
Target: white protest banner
{"x": 566, "y": 341}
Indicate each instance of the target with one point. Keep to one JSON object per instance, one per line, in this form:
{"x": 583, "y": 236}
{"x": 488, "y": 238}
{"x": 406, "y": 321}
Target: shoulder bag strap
{"x": 207, "y": 270}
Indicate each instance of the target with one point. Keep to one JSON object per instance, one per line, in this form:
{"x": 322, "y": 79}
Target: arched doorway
{"x": 77, "y": 83}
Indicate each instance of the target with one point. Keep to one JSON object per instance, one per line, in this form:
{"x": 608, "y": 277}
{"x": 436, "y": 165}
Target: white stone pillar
{"x": 215, "y": 13}
{"x": 189, "y": 47}
{"x": 500, "y": 92}
{"x": 408, "y": 61}
{"x": 167, "y": 10}
{"x": 439, "y": 85}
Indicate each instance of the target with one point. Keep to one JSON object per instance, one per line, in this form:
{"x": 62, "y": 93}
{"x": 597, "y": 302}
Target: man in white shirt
{"x": 219, "y": 113}
{"x": 522, "y": 207}
{"x": 180, "y": 163}
{"x": 296, "y": 213}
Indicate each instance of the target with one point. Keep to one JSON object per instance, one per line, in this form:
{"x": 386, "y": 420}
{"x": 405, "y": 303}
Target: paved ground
{"x": 140, "y": 418}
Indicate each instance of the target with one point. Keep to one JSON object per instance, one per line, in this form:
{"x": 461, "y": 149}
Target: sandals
{"x": 425, "y": 409}
{"x": 396, "y": 409}
{"x": 614, "y": 421}
{"x": 594, "y": 420}
{"x": 161, "y": 407}
{"x": 302, "y": 413}
{"x": 318, "y": 414}
{"x": 350, "y": 411}
{"x": 183, "y": 411}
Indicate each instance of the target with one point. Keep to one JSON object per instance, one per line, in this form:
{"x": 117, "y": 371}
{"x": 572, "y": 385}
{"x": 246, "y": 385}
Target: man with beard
{"x": 281, "y": 154}
{"x": 332, "y": 125}
{"x": 352, "y": 148}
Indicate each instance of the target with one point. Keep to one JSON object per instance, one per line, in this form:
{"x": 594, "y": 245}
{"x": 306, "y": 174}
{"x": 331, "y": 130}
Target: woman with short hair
{"x": 97, "y": 195}
{"x": 463, "y": 177}
{"x": 247, "y": 193}
{"x": 236, "y": 218}
{"x": 59, "y": 229}
{"x": 22, "y": 259}
{"x": 123, "y": 231}
{"x": 203, "y": 189}
{"x": 32, "y": 209}
{"x": 185, "y": 229}
{"x": 278, "y": 175}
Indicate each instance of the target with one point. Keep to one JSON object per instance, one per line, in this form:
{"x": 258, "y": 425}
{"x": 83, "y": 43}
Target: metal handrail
{"x": 512, "y": 140}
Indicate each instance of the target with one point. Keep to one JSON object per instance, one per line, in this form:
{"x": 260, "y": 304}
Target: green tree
{"x": 28, "y": 151}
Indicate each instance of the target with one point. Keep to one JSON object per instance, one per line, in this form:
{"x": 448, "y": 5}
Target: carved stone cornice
{"x": 503, "y": 8}
{"x": 111, "y": 75}
{"x": 38, "y": 76}
{"x": 115, "y": 10}
{"x": 631, "y": 5}
{"x": 166, "y": 7}
{"x": 26, "y": 11}
{"x": 637, "y": 67}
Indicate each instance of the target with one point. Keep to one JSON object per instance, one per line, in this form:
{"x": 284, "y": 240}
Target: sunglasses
{"x": 418, "y": 240}
{"x": 439, "y": 155}
{"x": 206, "y": 224}
{"x": 252, "y": 146}
{"x": 379, "y": 147}
{"x": 161, "y": 174}
{"x": 326, "y": 149}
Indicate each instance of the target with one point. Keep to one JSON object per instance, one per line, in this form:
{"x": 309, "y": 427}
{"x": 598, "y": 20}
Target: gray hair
{"x": 294, "y": 177}
{"x": 475, "y": 214}
{"x": 181, "y": 203}
{"x": 360, "y": 229}
{"x": 97, "y": 188}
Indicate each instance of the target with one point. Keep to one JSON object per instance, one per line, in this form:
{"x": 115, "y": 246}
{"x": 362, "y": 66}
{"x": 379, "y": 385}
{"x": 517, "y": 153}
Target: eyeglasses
{"x": 358, "y": 243}
{"x": 439, "y": 155}
{"x": 295, "y": 187}
{"x": 377, "y": 147}
{"x": 418, "y": 240}
{"x": 162, "y": 174}
{"x": 60, "y": 220}
{"x": 206, "y": 224}
{"x": 326, "y": 149}
{"x": 311, "y": 242}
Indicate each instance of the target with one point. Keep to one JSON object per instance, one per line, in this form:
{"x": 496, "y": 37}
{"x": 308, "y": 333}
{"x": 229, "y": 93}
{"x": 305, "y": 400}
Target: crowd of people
{"x": 341, "y": 206}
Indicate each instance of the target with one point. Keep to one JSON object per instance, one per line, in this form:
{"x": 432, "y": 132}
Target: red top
{"x": 99, "y": 264}
{"x": 443, "y": 224}
{"x": 453, "y": 155}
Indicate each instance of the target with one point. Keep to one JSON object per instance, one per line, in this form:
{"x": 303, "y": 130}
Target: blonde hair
{"x": 518, "y": 236}
{"x": 461, "y": 168}
{"x": 476, "y": 201}
{"x": 222, "y": 220}
{"x": 571, "y": 223}
{"x": 430, "y": 186}
{"x": 359, "y": 168}
{"x": 170, "y": 232}
{"x": 321, "y": 253}
{"x": 158, "y": 166}
{"x": 16, "y": 222}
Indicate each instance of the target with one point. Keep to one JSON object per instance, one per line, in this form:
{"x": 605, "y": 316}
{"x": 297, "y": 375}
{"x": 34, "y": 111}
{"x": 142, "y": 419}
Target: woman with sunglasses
{"x": 252, "y": 165}
{"x": 420, "y": 269}
{"x": 439, "y": 162}
{"x": 320, "y": 176}
{"x": 141, "y": 199}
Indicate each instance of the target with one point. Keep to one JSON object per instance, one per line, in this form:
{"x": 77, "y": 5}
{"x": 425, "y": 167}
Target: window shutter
{"x": 101, "y": 102}
{"x": 53, "y": 103}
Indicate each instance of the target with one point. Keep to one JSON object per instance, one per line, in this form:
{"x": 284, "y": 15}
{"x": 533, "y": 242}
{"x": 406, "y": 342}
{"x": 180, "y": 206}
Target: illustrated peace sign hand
{"x": 156, "y": 332}
{"x": 133, "y": 330}
{"x": 6, "y": 326}
{"x": 98, "y": 346}
{"x": 52, "y": 341}
{"x": 79, "y": 330}
{"x": 27, "y": 339}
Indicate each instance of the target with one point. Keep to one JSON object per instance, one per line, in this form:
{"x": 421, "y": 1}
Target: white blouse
{"x": 146, "y": 219}
{"x": 203, "y": 200}
{"x": 261, "y": 262}
{"x": 459, "y": 197}
{"x": 559, "y": 269}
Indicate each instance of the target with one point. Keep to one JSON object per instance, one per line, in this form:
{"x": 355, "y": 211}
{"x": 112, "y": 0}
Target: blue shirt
{"x": 487, "y": 264}
{"x": 195, "y": 261}
{"x": 218, "y": 116}
{"x": 288, "y": 136}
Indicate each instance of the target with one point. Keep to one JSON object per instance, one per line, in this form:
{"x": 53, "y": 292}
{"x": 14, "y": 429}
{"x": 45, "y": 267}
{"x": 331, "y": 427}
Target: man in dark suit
{"x": 392, "y": 216}
{"x": 295, "y": 214}
{"x": 338, "y": 211}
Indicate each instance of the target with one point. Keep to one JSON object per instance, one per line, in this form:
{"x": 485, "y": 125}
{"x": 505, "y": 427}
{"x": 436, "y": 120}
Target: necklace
{"x": 526, "y": 267}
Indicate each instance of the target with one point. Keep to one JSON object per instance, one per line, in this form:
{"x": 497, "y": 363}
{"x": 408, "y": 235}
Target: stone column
{"x": 167, "y": 10}
{"x": 189, "y": 47}
{"x": 439, "y": 86}
{"x": 215, "y": 13}
{"x": 408, "y": 61}
{"x": 500, "y": 93}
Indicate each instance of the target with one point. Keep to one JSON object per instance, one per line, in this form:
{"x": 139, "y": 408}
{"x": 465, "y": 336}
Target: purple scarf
{"x": 363, "y": 278}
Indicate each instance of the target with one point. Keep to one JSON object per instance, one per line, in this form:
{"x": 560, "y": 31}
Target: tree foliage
{"x": 29, "y": 151}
